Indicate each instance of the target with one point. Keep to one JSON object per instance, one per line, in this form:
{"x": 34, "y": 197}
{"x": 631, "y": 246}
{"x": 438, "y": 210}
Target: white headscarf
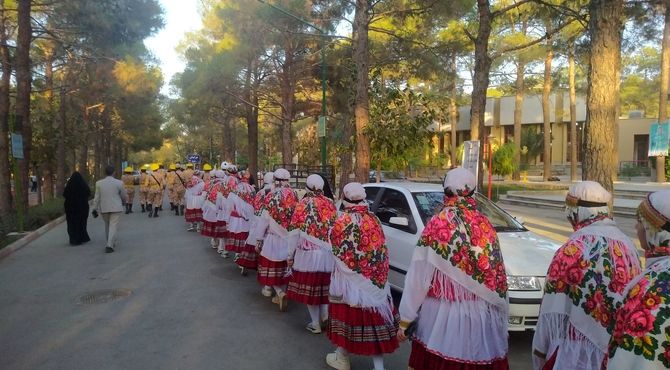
{"x": 586, "y": 201}
{"x": 314, "y": 183}
{"x": 354, "y": 194}
{"x": 654, "y": 214}
{"x": 282, "y": 176}
{"x": 459, "y": 182}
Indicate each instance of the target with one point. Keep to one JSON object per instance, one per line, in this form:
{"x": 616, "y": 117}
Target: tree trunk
{"x": 546, "y": 108}
{"x": 480, "y": 82}
{"x": 5, "y": 184}
{"x": 61, "y": 133}
{"x": 518, "y": 113}
{"x": 346, "y": 162}
{"x": 228, "y": 140}
{"x": 602, "y": 102}
{"x": 251, "y": 115}
{"x": 23, "y": 82}
{"x": 573, "y": 112}
{"x": 48, "y": 166}
{"x": 663, "y": 93}
{"x": 287, "y": 80}
{"x": 362, "y": 103}
{"x": 453, "y": 109}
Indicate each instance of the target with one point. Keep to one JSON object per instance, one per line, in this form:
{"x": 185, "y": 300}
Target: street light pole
{"x": 321, "y": 125}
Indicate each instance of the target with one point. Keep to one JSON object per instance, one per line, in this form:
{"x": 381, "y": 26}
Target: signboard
{"x": 193, "y": 158}
{"x": 17, "y": 146}
{"x": 124, "y": 164}
{"x": 659, "y": 136}
{"x": 471, "y": 157}
{"x": 321, "y": 127}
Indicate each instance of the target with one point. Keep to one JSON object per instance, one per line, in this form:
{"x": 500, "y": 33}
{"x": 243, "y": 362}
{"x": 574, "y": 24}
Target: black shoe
{"x": 181, "y": 210}
{"x": 127, "y": 209}
{"x": 143, "y": 210}
{"x": 171, "y": 206}
{"x": 149, "y": 208}
{"x": 109, "y": 250}
{"x": 156, "y": 212}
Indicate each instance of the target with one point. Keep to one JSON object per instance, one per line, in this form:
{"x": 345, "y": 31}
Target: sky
{"x": 181, "y": 17}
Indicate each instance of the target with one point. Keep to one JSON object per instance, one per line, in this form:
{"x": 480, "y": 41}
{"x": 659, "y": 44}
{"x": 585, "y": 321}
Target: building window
{"x": 641, "y": 148}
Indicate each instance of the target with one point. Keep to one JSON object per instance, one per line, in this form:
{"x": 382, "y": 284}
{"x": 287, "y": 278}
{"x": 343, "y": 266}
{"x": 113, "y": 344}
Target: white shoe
{"x": 213, "y": 243}
{"x": 337, "y": 361}
{"x": 314, "y": 329}
{"x": 224, "y": 254}
{"x": 282, "y": 301}
{"x": 266, "y": 291}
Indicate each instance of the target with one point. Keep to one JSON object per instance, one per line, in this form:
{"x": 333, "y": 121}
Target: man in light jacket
{"x": 110, "y": 196}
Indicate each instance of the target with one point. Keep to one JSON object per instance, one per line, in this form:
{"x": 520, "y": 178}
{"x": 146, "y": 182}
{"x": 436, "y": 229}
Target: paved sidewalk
{"x": 188, "y": 309}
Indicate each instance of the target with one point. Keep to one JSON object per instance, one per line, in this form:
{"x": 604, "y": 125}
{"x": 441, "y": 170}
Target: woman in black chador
{"x": 77, "y": 194}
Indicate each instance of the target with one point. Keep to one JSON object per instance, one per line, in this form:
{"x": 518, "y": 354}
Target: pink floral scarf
{"x": 642, "y": 326}
{"x": 466, "y": 239}
{"x": 314, "y": 215}
{"x": 245, "y": 192}
{"x": 358, "y": 241}
{"x": 280, "y": 205}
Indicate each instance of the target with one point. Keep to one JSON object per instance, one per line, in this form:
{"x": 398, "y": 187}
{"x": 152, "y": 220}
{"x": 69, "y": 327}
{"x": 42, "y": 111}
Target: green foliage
{"x": 503, "y": 160}
{"x": 37, "y": 217}
{"x": 532, "y": 143}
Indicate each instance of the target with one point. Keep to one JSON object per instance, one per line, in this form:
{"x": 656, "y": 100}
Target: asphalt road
{"x": 187, "y": 308}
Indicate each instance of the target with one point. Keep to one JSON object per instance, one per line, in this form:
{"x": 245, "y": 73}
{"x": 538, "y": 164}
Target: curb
{"x": 8, "y": 250}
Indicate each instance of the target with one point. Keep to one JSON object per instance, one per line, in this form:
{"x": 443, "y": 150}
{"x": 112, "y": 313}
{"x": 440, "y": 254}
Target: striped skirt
{"x": 215, "y": 229}
{"x": 309, "y": 287}
{"x": 235, "y": 242}
{"x": 271, "y": 272}
{"x": 193, "y": 215}
{"x": 361, "y": 331}
{"x": 422, "y": 358}
{"x": 248, "y": 257}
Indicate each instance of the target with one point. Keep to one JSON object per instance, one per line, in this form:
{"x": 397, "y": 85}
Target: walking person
{"x": 456, "y": 288}
{"x": 211, "y": 226}
{"x": 272, "y": 230}
{"x": 640, "y": 339}
{"x": 239, "y": 212}
{"x": 110, "y": 196}
{"x": 144, "y": 189}
{"x": 310, "y": 256}
{"x": 178, "y": 187}
{"x": 155, "y": 183}
{"x": 77, "y": 194}
{"x": 248, "y": 258}
{"x": 587, "y": 274}
{"x": 129, "y": 184}
{"x": 194, "y": 200}
{"x": 361, "y": 315}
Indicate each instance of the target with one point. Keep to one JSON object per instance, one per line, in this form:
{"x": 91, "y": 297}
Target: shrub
{"x": 503, "y": 160}
{"x": 37, "y": 217}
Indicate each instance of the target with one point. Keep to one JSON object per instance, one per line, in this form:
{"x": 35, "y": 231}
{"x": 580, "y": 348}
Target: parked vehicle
{"x": 405, "y": 207}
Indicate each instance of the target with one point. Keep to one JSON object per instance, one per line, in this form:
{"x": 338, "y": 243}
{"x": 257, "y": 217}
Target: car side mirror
{"x": 520, "y": 220}
{"x": 399, "y": 221}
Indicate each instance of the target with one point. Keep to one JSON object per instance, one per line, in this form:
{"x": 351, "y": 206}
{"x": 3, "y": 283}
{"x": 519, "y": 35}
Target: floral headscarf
{"x": 465, "y": 238}
{"x": 314, "y": 215}
{"x": 214, "y": 189}
{"x": 245, "y": 191}
{"x": 280, "y": 204}
{"x": 358, "y": 241}
{"x": 586, "y": 203}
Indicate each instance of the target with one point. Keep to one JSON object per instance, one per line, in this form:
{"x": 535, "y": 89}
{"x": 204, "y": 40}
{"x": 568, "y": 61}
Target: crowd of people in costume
{"x": 601, "y": 310}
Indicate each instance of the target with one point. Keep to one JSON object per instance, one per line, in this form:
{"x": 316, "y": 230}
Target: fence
{"x": 299, "y": 173}
{"x": 634, "y": 169}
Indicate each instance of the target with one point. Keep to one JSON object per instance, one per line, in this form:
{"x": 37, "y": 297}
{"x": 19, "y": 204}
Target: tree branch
{"x": 502, "y": 51}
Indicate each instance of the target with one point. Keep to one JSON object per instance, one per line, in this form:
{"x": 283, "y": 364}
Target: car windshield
{"x": 430, "y": 203}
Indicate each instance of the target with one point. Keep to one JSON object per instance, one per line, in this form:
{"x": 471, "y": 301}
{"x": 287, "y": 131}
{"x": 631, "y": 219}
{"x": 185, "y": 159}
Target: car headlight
{"x": 523, "y": 283}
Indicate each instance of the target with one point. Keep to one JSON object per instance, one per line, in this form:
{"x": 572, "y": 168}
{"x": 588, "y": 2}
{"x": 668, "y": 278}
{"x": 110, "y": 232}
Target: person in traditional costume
{"x": 194, "y": 199}
{"x": 129, "y": 185}
{"x": 144, "y": 189}
{"x": 586, "y": 276}
{"x": 272, "y": 229}
{"x": 455, "y": 292}
{"x": 212, "y": 227}
{"x": 310, "y": 257}
{"x": 239, "y": 212}
{"x": 228, "y": 183}
{"x": 641, "y": 334}
{"x": 361, "y": 318}
{"x": 248, "y": 258}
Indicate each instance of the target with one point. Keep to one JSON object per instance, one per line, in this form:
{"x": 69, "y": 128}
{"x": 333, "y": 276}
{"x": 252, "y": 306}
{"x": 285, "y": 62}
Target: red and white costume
{"x": 272, "y": 227}
{"x": 213, "y": 227}
{"x": 248, "y": 258}
{"x": 361, "y": 314}
{"x": 456, "y": 287}
{"x": 310, "y": 251}
{"x": 228, "y": 185}
{"x": 586, "y": 276}
{"x": 641, "y": 336}
{"x": 238, "y": 213}
{"x": 194, "y": 199}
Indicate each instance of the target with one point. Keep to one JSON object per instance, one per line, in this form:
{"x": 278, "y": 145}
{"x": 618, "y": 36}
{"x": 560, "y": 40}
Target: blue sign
{"x": 17, "y": 146}
{"x": 659, "y": 137}
{"x": 193, "y": 158}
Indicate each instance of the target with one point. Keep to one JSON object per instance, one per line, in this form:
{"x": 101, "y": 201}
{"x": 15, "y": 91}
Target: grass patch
{"x": 37, "y": 217}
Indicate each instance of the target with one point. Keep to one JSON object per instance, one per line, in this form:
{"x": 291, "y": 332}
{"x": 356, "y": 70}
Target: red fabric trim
{"x": 193, "y": 215}
{"x": 309, "y": 287}
{"x": 361, "y": 331}
{"x": 214, "y": 229}
{"x": 235, "y": 242}
{"x": 248, "y": 257}
{"x": 422, "y": 358}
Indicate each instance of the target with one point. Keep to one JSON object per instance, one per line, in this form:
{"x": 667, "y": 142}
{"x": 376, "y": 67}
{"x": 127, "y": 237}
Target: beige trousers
{"x": 111, "y": 226}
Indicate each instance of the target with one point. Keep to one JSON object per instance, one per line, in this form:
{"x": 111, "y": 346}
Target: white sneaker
{"x": 224, "y": 254}
{"x": 337, "y": 361}
{"x": 213, "y": 243}
{"x": 314, "y": 329}
{"x": 266, "y": 291}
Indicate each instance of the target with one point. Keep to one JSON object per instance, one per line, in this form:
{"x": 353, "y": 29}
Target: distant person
{"x": 586, "y": 276}
{"x": 33, "y": 184}
{"x": 640, "y": 338}
{"x": 110, "y": 196}
{"x": 76, "y": 194}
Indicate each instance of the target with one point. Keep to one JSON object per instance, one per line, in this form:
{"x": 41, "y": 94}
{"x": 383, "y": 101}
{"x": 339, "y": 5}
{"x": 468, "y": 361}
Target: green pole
{"x": 323, "y": 103}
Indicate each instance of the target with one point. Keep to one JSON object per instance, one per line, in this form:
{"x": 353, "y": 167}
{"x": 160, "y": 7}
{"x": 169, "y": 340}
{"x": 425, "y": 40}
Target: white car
{"x": 405, "y": 207}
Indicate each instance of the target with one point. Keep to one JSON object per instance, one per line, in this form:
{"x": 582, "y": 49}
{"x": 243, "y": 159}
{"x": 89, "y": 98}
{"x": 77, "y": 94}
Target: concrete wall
{"x": 628, "y": 128}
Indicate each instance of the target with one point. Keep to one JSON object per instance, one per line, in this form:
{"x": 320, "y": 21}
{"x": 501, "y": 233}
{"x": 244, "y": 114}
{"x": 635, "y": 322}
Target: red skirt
{"x": 235, "y": 242}
{"x": 361, "y": 331}
{"x": 248, "y": 257}
{"x": 271, "y": 272}
{"x": 309, "y": 287}
{"x": 214, "y": 229}
{"x": 193, "y": 215}
{"x": 422, "y": 359}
